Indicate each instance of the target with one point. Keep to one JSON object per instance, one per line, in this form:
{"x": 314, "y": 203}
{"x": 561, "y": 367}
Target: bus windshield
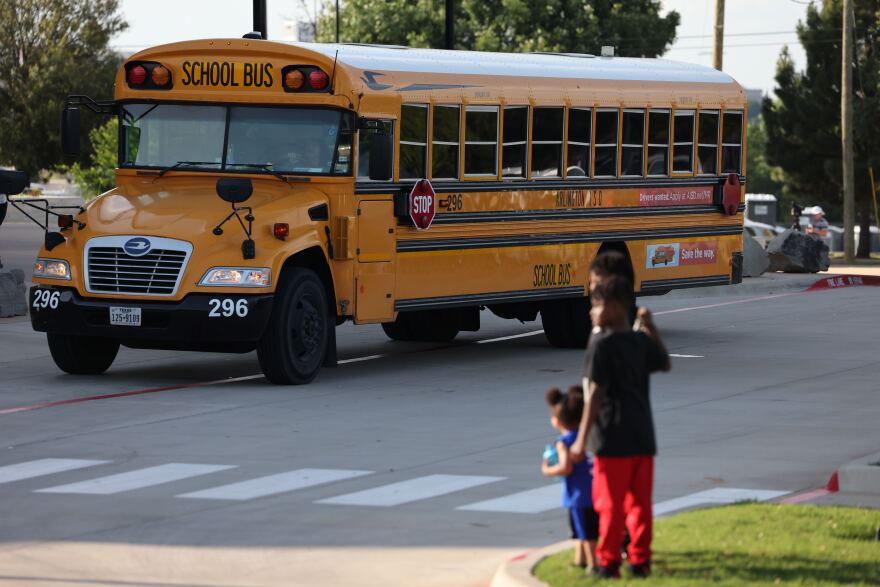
{"x": 237, "y": 138}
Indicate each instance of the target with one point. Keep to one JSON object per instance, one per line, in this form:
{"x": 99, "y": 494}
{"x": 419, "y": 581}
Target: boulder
{"x": 755, "y": 258}
{"x": 12, "y": 293}
{"x": 796, "y": 252}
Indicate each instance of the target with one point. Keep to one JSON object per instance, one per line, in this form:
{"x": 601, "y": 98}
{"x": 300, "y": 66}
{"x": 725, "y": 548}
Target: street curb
{"x": 517, "y": 572}
{"x": 861, "y": 475}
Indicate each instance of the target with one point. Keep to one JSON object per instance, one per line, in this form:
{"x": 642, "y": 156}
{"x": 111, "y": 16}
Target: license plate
{"x": 125, "y": 316}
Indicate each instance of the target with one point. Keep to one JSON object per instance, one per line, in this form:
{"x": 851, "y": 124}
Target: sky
{"x": 755, "y": 30}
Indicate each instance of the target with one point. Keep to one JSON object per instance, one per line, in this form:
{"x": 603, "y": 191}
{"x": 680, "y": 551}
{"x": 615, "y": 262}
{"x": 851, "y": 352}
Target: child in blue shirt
{"x": 565, "y": 415}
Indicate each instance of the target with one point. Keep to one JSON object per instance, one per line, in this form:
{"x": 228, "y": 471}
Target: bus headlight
{"x": 238, "y": 277}
{"x": 51, "y": 269}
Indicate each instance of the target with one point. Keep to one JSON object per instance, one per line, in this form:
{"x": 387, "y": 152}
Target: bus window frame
{"x": 526, "y": 174}
{"x": 228, "y": 105}
{"x": 717, "y": 112}
{"x": 740, "y": 144}
{"x": 644, "y": 113}
{"x": 400, "y": 140}
{"x": 589, "y": 171}
{"x": 459, "y": 150}
{"x": 463, "y": 130}
{"x": 673, "y": 143}
{"x": 667, "y": 144}
{"x": 560, "y": 142}
{"x": 595, "y": 146}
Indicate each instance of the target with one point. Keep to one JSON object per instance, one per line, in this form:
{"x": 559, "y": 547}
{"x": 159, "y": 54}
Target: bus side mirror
{"x": 70, "y": 131}
{"x": 381, "y": 147}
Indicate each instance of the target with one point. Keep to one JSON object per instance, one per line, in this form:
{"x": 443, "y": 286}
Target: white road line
{"x": 359, "y": 359}
{"x": 500, "y": 338}
{"x": 273, "y": 484}
{"x": 38, "y": 468}
{"x": 687, "y": 356}
{"x": 137, "y": 479}
{"x": 532, "y": 501}
{"x": 412, "y": 490}
{"x": 718, "y": 495}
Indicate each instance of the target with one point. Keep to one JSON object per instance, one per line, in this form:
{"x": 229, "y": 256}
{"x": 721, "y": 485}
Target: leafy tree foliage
{"x": 101, "y": 175}
{"x": 633, "y": 27}
{"x": 763, "y": 177}
{"x": 49, "y": 49}
{"x": 803, "y": 121}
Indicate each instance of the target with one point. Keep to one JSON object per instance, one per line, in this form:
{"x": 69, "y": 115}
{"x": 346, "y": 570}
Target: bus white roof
{"x": 549, "y": 65}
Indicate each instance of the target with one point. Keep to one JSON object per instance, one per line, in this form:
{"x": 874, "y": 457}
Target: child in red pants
{"x": 618, "y": 424}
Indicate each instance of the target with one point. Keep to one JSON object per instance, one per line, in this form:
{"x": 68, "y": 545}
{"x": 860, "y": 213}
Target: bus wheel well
{"x": 314, "y": 259}
{"x": 621, "y": 248}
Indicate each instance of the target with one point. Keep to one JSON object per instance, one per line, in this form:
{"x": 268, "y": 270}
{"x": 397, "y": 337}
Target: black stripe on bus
{"x": 483, "y": 242}
{"x": 383, "y": 187}
{"x": 573, "y": 213}
{"x": 481, "y": 299}
{"x": 667, "y": 284}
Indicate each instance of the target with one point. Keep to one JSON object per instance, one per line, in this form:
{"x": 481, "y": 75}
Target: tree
{"x": 803, "y": 121}
{"x": 763, "y": 177}
{"x": 101, "y": 176}
{"x": 49, "y": 49}
{"x": 633, "y": 27}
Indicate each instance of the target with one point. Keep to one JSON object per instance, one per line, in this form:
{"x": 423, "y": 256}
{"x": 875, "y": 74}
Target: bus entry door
{"x": 375, "y": 256}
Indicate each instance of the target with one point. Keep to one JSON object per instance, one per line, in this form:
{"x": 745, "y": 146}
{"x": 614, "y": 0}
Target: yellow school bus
{"x": 268, "y": 192}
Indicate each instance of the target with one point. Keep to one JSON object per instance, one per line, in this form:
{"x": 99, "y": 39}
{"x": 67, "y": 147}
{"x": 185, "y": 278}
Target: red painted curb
{"x": 833, "y": 483}
{"x": 840, "y": 281}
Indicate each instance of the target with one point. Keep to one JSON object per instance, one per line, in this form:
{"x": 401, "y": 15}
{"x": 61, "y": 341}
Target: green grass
{"x": 751, "y": 544}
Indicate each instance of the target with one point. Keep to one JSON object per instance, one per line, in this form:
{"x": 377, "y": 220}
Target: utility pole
{"x": 337, "y": 21}
{"x": 718, "y": 49}
{"x": 260, "y": 18}
{"x": 450, "y": 24}
{"x": 846, "y": 132}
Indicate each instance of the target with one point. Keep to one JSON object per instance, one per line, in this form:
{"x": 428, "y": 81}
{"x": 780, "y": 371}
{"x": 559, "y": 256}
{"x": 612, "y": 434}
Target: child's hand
{"x": 644, "y": 314}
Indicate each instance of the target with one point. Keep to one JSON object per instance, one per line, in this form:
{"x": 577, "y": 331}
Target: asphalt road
{"x": 386, "y": 470}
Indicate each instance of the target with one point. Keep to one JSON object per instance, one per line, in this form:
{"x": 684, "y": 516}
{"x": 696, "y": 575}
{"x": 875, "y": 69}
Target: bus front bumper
{"x": 223, "y": 322}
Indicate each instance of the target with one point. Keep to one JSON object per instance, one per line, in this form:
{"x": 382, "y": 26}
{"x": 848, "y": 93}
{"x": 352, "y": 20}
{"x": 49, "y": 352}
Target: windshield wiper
{"x": 264, "y": 166}
{"x": 165, "y": 170}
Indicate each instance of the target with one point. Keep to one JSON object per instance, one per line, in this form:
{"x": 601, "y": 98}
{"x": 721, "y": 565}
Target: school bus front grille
{"x": 111, "y": 270}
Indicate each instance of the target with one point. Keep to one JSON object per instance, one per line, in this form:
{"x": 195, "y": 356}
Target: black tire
{"x": 294, "y": 345}
{"x": 423, "y": 326}
{"x": 399, "y": 329}
{"x": 567, "y": 323}
{"x": 82, "y": 355}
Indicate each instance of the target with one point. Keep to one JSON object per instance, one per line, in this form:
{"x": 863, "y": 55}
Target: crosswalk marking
{"x": 138, "y": 479}
{"x": 718, "y": 495}
{"x": 532, "y": 501}
{"x": 40, "y": 467}
{"x": 273, "y": 484}
{"x": 411, "y": 490}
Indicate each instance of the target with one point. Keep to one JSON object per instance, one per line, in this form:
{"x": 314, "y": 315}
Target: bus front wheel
{"x": 294, "y": 345}
{"x": 567, "y": 322}
{"x": 82, "y": 355}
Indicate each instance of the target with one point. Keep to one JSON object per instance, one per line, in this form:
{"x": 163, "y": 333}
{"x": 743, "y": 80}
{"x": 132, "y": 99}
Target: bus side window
{"x": 707, "y": 145}
{"x": 515, "y": 137}
{"x": 731, "y": 142}
{"x": 365, "y": 139}
{"x": 413, "y": 140}
{"x": 481, "y": 140}
{"x": 547, "y": 142}
{"x": 606, "y": 143}
{"x": 632, "y": 151}
{"x": 658, "y": 142}
{"x": 580, "y": 129}
{"x": 445, "y": 142}
{"x": 683, "y": 146}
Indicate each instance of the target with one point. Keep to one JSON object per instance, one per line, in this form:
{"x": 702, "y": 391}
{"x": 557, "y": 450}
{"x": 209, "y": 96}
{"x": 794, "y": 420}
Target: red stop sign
{"x": 422, "y": 204}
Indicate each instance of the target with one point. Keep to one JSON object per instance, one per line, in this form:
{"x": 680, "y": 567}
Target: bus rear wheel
{"x": 567, "y": 323}
{"x": 423, "y": 326}
{"x": 294, "y": 345}
{"x": 82, "y": 355}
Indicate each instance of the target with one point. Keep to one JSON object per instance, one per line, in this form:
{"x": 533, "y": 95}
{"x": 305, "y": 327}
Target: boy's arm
{"x": 595, "y": 395}
{"x": 563, "y": 467}
{"x": 650, "y": 328}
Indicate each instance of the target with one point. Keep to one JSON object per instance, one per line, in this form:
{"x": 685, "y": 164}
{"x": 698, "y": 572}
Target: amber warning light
{"x": 147, "y": 75}
{"x": 305, "y": 79}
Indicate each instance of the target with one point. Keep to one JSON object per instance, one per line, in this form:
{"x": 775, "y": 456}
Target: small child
{"x": 619, "y": 426}
{"x": 565, "y": 415}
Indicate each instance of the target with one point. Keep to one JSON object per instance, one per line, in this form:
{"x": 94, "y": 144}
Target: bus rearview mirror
{"x": 381, "y": 147}
{"x": 70, "y": 131}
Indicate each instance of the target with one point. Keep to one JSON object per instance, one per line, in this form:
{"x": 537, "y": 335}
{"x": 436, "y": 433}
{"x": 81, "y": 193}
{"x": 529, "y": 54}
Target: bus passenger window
{"x": 413, "y": 140}
{"x": 707, "y": 145}
{"x": 365, "y": 138}
{"x": 606, "y": 143}
{"x": 444, "y": 142}
{"x": 547, "y": 142}
{"x": 731, "y": 142}
{"x": 683, "y": 147}
{"x": 658, "y": 142}
{"x": 513, "y": 152}
{"x": 481, "y": 140}
{"x": 580, "y": 126}
{"x": 633, "y": 144}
